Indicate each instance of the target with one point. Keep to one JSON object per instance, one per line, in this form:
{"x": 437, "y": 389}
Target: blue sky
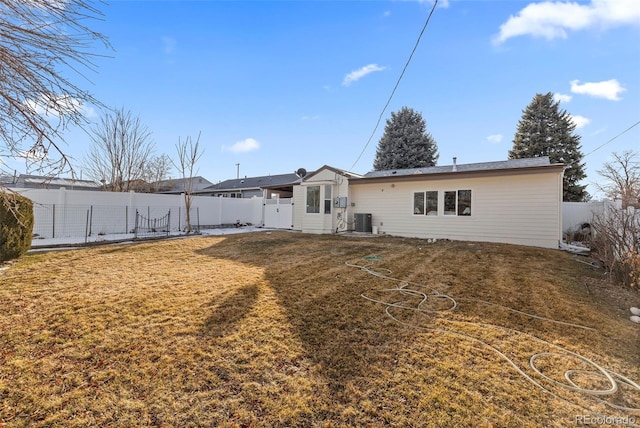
{"x": 278, "y": 85}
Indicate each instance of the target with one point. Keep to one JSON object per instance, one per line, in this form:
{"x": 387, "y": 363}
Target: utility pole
{"x": 237, "y": 170}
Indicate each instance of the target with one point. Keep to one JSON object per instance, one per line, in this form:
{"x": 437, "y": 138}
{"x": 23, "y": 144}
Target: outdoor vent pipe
{"x": 455, "y": 168}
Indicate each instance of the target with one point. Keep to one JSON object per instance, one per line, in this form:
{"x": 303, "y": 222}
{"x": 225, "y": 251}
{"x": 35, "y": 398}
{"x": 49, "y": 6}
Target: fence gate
{"x": 278, "y": 213}
{"x": 151, "y": 227}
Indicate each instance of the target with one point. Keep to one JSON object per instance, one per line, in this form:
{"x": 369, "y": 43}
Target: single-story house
{"x": 248, "y": 187}
{"x": 29, "y": 181}
{"x": 176, "y": 186}
{"x": 517, "y": 201}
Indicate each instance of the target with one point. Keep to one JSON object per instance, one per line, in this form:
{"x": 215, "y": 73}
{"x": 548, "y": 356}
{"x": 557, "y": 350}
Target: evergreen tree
{"x": 405, "y": 143}
{"x": 545, "y": 130}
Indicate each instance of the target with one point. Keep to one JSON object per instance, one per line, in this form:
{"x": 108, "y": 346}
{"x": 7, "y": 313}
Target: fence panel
{"x": 57, "y": 213}
{"x": 576, "y": 213}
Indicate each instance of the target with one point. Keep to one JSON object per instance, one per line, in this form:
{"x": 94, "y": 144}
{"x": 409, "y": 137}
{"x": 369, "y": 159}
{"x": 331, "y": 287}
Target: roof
{"x": 253, "y": 182}
{"x": 496, "y": 167}
{"x": 176, "y": 185}
{"x": 336, "y": 170}
{"x": 39, "y": 181}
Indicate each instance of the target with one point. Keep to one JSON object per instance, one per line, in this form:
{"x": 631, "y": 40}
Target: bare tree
{"x": 188, "y": 155}
{"x": 616, "y": 240}
{"x": 622, "y": 178}
{"x": 43, "y": 44}
{"x": 157, "y": 170}
{"x": 121, "y": 151}
{"x": 616, "y": 243}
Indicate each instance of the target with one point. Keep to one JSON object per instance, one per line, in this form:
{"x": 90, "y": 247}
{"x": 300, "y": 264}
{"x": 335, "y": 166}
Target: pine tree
{"x": 405, "y": 143}
{"x": 545, "y": 130}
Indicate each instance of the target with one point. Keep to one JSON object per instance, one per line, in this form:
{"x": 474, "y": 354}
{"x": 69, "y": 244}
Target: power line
{"x": 620, "y": 134}
{"x": 424, "y": 27}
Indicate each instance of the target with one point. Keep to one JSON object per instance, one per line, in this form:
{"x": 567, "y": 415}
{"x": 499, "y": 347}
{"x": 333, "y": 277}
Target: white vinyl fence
{"x": 61, "y": 213}
{"x": 278, "y": 213}
{"x": 575, "y": 214}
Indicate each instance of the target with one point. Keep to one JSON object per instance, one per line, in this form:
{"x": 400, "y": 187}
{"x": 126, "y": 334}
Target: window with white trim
{"x": 425, "y": 203}
{"x": 432, "y": 202}
{"x": 313, "y": 199}
{"x": 418, "y": 203}
{"x": 457, "y": 202}
{"x": 327, "y": 199}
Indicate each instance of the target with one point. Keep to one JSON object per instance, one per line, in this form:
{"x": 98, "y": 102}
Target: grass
{"x": 268, "y": 330}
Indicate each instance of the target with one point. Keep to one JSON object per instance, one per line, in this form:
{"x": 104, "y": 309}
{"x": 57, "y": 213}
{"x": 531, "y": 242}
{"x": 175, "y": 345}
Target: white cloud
{"x": 314, "y": 117}
{"x": 609, "y": 89}
{"x": 58, "y": 105}
{"x": 580, "y": 121}
{"x": 243, "y": 146}
{"x": 360, "y": 73}
{"x": 169, "y": 45}
{"x": 89, "y": 111}
{"x": 562, "y": 98}
{"x": 552, "y": 20}
{"x": 495, "y": 138}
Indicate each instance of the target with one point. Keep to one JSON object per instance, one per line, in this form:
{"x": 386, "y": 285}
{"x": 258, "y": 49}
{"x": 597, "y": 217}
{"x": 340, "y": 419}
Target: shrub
{"x": 616, "y": 243}
{"x": 16, "y": 225}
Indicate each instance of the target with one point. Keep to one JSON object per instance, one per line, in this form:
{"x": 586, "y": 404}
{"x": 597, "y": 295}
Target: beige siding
{"x": 321, "y": 222}
{"x": 298, "y": 206}
{"x": 518, "y": 209}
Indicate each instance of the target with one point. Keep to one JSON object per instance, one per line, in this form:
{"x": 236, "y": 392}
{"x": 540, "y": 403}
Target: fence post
{"x": 198, "y": 215}
{"x": 53, "y": 232}
{"x": 135, "y": 229}
{"x": 126, "y": 219}
{"x": 91, "y": 222}
{"x": 86, "y": 228}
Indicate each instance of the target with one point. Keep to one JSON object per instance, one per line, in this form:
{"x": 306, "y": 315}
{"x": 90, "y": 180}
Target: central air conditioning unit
{"x": 363, "y": 223}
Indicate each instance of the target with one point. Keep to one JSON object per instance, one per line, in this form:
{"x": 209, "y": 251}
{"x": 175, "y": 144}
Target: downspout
{"x": 561, "y": 191}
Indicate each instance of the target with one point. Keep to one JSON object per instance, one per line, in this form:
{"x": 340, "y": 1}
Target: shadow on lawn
{"x": 229, "y": 312}
{"x": 339, "y": 330}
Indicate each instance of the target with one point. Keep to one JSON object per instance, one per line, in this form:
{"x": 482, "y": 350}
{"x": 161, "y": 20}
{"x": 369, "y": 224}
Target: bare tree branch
{"x": 121, "y": 152}
{"x": 617, "y": 230}
{"x": 188, "y": 155}
{"x": 622, "y": 177}
{"x": 42, "y": 44}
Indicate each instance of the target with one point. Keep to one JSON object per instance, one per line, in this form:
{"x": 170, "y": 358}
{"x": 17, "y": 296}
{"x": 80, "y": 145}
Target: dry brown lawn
{"x": 272, "y": 330}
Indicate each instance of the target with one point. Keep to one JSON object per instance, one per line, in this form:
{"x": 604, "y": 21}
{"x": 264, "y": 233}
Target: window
{"x": 327, "y": 199}
{"x": 450, "y": 203}
{"x": 313, "y": 199}
{"x": 432, "y": 203}
{"x": 457, "y": 202}
{"x": 418, "y": 203}
{"x": 464, "y": 202}
{"x": 425, "y": 203}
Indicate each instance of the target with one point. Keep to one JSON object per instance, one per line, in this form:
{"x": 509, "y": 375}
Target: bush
{"x": 616, "y": 243}
{"x": 16, "y": 225}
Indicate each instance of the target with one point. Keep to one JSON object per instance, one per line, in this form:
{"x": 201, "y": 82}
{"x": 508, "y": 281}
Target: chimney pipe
{"x": 455, "y": 168}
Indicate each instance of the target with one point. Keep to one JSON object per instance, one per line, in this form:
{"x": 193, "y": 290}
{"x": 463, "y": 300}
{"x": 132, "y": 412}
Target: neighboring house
{"x": 248, "y": 187}
{"x": 516, "y": 201}
{"x": 28, "y": 181}
{"x": 175, "y": 186}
